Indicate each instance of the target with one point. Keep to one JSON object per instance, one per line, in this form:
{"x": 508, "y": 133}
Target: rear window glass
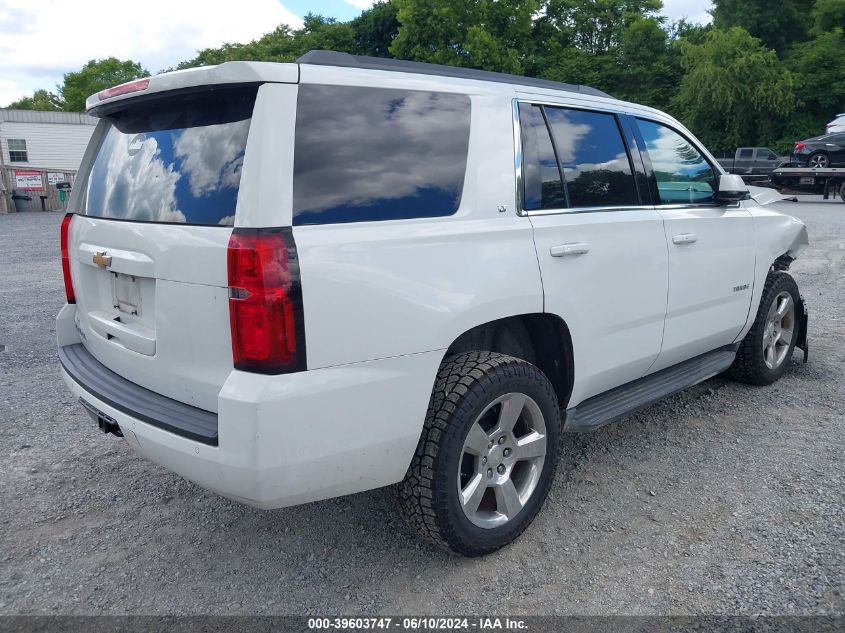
{"x": 378, "y": 154}
{"x": 543, "y": 186}
{"x": 175, "y": 161}
{"x": 593, "y": 157}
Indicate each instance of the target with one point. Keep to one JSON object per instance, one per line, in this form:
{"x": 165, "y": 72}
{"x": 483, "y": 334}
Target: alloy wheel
{"x": 502, "y": 460}
{"x": 777, "y": 335}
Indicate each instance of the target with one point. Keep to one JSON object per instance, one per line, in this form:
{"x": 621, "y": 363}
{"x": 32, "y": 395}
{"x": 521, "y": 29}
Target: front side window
{"x": 17, "y": 150}
{"x": 364, "y": 154}
{"x": 543, "y": 187}
{"x": 177, "y": 160}
{"x": 682, "y": 173}
{"x": 593, "y": 157}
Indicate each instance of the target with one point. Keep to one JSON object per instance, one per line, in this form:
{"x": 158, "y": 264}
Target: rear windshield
{"x": 176, "y": 161}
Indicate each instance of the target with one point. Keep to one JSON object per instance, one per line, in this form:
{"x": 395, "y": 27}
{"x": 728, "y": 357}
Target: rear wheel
{"x": 819, "y": 160}
{"x": 487, "y": 455}
{"x": 766, "y": 349}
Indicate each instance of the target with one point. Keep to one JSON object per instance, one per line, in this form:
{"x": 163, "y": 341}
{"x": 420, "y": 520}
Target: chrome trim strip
{"x": 640, "y": 207}
{"x": 517, "y": 160}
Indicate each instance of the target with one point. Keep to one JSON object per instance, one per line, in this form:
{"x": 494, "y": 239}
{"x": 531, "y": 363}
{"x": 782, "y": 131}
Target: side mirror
{"x": 732, "y": 188}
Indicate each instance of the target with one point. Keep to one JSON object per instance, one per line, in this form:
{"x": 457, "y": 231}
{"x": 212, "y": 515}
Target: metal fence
{"x": 33, "y": 189}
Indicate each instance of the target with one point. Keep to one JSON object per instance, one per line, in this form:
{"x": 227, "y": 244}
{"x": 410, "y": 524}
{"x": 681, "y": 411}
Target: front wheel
{"x": 487, "y": 456}
{"x": 765, "y": 351}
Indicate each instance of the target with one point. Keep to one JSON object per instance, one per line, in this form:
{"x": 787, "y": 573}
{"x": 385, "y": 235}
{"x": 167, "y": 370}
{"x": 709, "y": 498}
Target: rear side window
{"x": 746, "y": 153}
{"x": 543, "y": 186}
{"x": 366, "y": 154}
{"x": 176, "y": 160}
{"x": 682, "y": 173}
{"x": 592, "y": 154}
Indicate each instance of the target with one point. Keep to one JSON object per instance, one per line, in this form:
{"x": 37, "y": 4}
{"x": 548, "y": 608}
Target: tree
{"x": 485, "y": 34}
{"x": 735, "y": 91}
{"x": 820, "y": 68}
{"x": 778, "y": 24}
{"x": 828, "y": 15}
{"x": 94, "y": 76}
{"x": 40, "y": 100}
{"x": 375, "y": 29}
{"x": 596, "y": 26}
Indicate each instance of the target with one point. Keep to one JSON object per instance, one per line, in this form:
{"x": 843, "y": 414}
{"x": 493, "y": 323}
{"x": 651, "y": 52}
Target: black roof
{"x": 345, "y": 60}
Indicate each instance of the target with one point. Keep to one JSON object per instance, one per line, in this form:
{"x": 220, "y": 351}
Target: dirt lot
{"x": 724, "y": 499}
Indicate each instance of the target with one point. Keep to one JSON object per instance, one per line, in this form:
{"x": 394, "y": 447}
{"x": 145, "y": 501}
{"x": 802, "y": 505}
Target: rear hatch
{"x": 150, "y": 270}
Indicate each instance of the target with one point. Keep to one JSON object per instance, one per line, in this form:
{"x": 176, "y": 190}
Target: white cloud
{"x": 212, "y": 156}
{"x": 138, "y": 184}
{"x": 692, "y": 10}
{"x": 40, "y": 40}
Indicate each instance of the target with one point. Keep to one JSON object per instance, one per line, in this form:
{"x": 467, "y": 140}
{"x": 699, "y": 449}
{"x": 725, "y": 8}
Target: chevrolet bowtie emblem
{"x": 101, "y": 259}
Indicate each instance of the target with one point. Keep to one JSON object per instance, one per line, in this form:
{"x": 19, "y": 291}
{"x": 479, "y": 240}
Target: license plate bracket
{"x": 126, "y": 293}
{"x": 807, "y": 180}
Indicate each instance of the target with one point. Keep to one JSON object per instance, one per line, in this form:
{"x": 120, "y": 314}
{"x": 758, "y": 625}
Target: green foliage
{"x": 485, "y": 34}
{"x": 828, "y": 15}
{"x": 375, "y": 29}
{"x": 94, "y": 76}
{"x": 40, "y": 100}
{"x": 778, "y": 23}
{"x": 735, "y": 91}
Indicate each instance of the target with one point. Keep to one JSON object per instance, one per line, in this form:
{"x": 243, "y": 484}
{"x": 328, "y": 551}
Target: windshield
{"x": 176, "y": 161}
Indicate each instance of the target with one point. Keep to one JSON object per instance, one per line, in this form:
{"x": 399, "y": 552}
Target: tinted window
{"x": 746, "y": 153}
{"x": 682, "y": 173}
{"x": 542, "y": 185}
{"x": 173, "y": 161}
{"x": 376, "y": 154}
{"x": 592, "y": 154}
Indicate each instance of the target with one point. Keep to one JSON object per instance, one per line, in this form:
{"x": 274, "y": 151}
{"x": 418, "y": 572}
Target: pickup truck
{"x": 752, "y": 161}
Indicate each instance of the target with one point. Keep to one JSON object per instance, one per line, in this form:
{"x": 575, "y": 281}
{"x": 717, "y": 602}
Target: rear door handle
{"x": 574, "y": 248}
{"x": 685, "y": 238}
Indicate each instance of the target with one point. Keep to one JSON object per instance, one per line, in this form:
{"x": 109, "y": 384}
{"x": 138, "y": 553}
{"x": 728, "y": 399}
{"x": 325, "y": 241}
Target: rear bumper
{"x": 285, "y": 440}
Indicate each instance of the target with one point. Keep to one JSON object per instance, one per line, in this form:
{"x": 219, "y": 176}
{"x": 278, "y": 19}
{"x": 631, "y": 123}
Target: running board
{"x": 610, "y": 405}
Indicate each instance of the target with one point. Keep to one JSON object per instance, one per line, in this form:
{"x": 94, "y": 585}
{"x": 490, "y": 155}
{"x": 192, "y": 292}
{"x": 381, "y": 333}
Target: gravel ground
{"x": 725, "y": 499}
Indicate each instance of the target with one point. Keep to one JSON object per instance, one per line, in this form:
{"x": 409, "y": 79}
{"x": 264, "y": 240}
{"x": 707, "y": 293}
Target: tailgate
{"x": 148, "y": 257}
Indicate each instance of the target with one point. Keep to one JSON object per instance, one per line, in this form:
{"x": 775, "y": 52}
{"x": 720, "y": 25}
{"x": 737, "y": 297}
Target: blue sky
{"x": 340, "y": 9}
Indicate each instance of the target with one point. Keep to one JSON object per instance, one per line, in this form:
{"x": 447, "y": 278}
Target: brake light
{"x": 69, "y": 293}
{"x": 799, "y": 146}
{"x": 265, "y": 302}
{"x": 122, "y": 89}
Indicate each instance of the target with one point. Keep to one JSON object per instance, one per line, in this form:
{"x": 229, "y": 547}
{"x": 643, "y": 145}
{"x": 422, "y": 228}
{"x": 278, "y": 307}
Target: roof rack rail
{"x": 345, "y": 60}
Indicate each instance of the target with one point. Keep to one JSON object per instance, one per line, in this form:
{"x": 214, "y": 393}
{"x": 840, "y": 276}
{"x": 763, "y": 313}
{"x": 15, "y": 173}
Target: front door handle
{"x": 574, "y": 248}
{"x": 685, "y": 238}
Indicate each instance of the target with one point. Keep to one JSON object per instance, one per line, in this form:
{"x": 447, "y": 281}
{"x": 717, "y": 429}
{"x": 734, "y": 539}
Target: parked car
{"x": 752, "y": 161}
{"x": 827, "y": 150}
{"x": 837, "y": 125}
{"x": 289, "y": 282}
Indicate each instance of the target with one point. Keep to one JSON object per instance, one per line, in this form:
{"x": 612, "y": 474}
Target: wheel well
{"x": 541, "y": 339}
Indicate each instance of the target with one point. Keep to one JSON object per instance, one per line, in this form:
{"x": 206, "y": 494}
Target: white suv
{"x": 288, "y": 282}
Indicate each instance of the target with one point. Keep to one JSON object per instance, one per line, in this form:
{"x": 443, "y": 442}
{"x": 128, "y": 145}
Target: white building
{"x": 44, "y": 140}
{"x": 37, "y": 151}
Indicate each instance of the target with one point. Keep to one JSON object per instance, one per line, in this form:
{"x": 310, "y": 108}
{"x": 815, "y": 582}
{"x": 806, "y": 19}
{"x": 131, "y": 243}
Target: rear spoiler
{"x": 226, "y": 73}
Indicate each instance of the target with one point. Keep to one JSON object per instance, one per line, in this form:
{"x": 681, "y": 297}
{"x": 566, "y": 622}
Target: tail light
{"x": 799, "y": 146}
{"x": 69, "y": 293}
{"x": 265, "y": 302}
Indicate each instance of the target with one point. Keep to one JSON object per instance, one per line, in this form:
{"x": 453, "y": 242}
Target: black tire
{"x": 466, "y": 385}
{"x": 750, "y": 365}
{"x": 842, "y": 192}
{"x": 818, "y": 155}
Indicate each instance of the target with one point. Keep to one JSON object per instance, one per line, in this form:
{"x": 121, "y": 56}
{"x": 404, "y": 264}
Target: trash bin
{"x": 22, "y": 200}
